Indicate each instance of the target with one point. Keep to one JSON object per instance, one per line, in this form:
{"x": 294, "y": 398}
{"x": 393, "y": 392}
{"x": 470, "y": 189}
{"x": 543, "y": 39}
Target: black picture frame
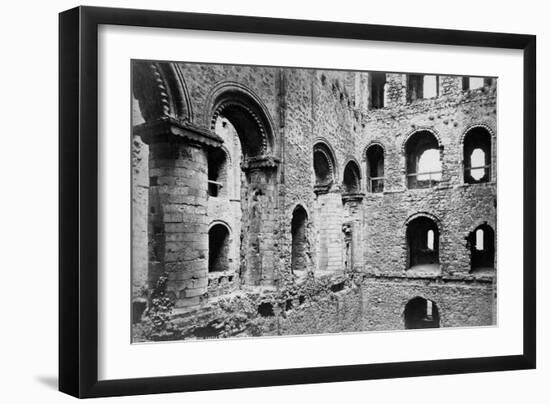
{"x": 78, "y": 201}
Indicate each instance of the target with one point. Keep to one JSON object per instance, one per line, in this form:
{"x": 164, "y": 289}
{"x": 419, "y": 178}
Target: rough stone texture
{"x": 460, "y": 303}
{"x": 140, "y": 202}
{"x": 270, "y": 172}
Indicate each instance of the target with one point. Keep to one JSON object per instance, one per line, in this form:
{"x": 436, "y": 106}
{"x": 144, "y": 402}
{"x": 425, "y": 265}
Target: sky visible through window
{"x": 477, "y": 159}
{"x": 430, "y": 86}
{"x": 429, "y": 166}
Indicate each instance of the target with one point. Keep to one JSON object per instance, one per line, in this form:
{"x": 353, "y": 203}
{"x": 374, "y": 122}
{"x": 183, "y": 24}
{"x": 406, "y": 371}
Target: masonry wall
{"x": 310, "y": 106}
{"x": 460, "y": 304}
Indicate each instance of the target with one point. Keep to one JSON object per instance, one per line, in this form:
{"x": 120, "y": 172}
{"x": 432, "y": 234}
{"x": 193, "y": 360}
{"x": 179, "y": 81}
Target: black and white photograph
{"x": 275, "y": 201}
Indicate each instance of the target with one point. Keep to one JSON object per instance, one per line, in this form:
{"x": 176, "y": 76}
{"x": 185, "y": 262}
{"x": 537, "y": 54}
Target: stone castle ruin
{"x": 284, "y": 201}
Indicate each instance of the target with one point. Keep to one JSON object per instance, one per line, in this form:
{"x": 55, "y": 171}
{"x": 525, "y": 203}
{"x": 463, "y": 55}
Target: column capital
{"x": 172, "y": 130}
{"x": 260, "y": 163}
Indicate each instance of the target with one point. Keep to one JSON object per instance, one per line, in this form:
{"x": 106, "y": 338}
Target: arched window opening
{"x": 482, "y": 249}
{"x": 421, "y": 313}
{"x": 218, "y": 248}
{"x": 323, "y": 166}
{"x": 377, "y": 81}
{"x": 217, "y": 173}
{"x": 352, "y": 178}
{"x": 323, "y": 173}
{"x": 423, "y": 245}
{"x": 423, "y": 160}
{"x": 420, "y": 86}
{"x": 477, "y": 156}
{"x": 299, "y": 240}
{"x": 375, "y": 168}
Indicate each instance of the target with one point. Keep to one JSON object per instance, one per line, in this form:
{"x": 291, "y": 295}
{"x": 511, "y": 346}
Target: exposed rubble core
{"x": 285, "y": 201}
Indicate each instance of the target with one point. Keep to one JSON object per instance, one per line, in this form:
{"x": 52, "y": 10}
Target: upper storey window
{"x": 472, "y": 83}
{"x": 422, "y": 86}
{"x": 477, "y": 156}
{"x": 375, "y": 168}
{"x": 377, "y": 81}
{"x": 352, "y": 178}
{"x": 324, "y": 167}
{"x": 423, "y": 160}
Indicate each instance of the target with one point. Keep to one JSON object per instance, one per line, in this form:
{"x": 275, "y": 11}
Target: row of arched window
{"x": 422, "y": 158}
{"x": 422, "y": 245}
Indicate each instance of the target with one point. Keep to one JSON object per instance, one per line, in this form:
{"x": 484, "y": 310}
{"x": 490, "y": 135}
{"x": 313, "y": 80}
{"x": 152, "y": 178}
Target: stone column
{"x": 178, "y": 225}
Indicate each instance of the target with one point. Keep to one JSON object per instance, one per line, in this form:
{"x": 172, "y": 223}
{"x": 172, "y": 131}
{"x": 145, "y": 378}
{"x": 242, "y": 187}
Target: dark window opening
{"x": 375, "y": 168}
{"x": 218, "y": 248}
{"x": 217, "y": 173}
{"x": 376, "y": 90}
{"x": 323, "y": 166}
{"x": 421, "y": 313}
{"x": 423, "y": 160}
{"x": 482, "y": 249}
{"x": 299, "y": 240}
{"x": 266, "y": 309}
{"x": 352, "y": 178}
{"x": 477, "y": 156}
{"x": 423, "y": 244}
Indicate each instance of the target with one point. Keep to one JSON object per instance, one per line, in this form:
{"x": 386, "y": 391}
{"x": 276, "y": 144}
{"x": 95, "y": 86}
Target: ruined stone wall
{"x": 356, "y": 233}
{"x": 320, "y": 106}
{"x": 460, "y": 303}
{"x": 458, "y": 207}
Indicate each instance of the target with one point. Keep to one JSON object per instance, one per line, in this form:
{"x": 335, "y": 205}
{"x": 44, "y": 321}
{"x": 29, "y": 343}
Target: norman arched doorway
{"x": 423, "y": 160}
